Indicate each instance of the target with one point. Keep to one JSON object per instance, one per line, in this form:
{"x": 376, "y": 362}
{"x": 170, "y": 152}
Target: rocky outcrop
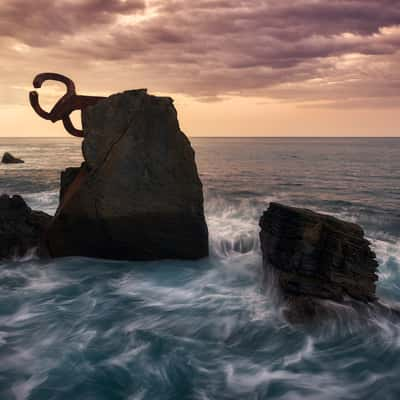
{"x": 8, "y": 158}
{"x": 316, "y": 256}
{"x": 138, "y": 195}
{"x": 21, "y": 228}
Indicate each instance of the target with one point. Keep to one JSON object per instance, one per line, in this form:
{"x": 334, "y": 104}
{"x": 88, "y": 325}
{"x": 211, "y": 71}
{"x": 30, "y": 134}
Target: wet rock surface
{"x": 8, "y": 158}
{"x": 138, "y": 195}
{"x": 67, "y": 177}
{"x": 312, "y": 256}
{"x": 21, "y": 228}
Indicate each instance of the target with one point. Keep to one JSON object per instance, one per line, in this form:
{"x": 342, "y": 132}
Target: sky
{"x": 233, "y": 67}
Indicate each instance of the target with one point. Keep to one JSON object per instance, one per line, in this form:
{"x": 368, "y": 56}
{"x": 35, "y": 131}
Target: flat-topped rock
{"x": 21, "y": 228}
{"x": 138, "y": 195}
{"x": 317, "y": 255}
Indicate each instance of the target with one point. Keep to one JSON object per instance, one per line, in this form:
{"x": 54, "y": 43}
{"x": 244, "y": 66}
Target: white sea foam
{"x": 305, "y": 352}
{"x": 46, "y": 201}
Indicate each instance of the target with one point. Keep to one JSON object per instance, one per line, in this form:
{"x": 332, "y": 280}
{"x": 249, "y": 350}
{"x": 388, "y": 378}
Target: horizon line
{"x": 229, "y": 137}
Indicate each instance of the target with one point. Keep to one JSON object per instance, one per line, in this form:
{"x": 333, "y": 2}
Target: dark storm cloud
{"x": 216, "y": 48}
{"x": 44, "y": 22}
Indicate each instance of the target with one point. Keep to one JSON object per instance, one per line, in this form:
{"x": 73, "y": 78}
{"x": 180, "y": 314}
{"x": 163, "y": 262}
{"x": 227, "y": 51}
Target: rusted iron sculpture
{"x": 67, "y": 103}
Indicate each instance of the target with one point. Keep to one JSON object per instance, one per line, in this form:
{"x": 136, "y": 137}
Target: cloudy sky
{"x": 234, "y": 68}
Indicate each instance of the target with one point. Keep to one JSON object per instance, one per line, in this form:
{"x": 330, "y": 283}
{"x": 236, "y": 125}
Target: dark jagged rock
{"x": 20, "y": 227}
{"x": 67, "y": 177}
{"x": 138, "y": 195}
{"x": 316, "y": 256}
{"x": 8, "y": 158}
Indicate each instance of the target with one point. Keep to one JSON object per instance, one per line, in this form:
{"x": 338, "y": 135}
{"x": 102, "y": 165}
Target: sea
{"x": 90, "y": 329}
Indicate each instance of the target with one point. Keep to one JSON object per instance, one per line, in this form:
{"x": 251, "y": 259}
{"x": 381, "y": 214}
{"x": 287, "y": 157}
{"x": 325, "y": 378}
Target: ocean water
{"x": 79, "y": 328}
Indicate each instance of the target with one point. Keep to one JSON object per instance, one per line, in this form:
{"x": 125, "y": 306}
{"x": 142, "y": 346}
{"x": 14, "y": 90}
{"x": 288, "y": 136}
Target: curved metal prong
{"x": 70, "y": 127}
{"x": 34, "y": 100}
{"x": 38, "y": 82}
{"x": 52, "y": 76}
{"x": 68, "y": 103}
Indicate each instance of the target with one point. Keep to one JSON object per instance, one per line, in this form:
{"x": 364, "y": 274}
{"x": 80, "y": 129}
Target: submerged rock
{"x": 316, "y": 256}
{"x": 21, "y": 228}
{"x": 8, "y": 158}
{"x": 138, "y": 195}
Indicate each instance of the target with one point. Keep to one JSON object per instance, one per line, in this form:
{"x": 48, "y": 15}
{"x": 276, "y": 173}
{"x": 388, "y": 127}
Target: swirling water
{"x": 77, "y": 328}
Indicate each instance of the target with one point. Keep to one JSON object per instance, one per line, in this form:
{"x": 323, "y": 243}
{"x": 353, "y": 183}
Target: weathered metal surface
{"x": 65, "y": 105}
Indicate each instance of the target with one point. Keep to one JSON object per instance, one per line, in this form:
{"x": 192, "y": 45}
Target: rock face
{"x": 20, "y": 227}
{"x": 67, "y": 177}
{"x": 8, "y": 158}
{"x": 138, "y": 195}
{"x": 317, "y": 256}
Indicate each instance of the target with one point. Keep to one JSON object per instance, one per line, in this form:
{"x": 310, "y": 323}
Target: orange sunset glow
{"x": 234, "y": 68}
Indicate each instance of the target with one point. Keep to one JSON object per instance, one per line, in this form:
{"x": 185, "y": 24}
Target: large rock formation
{"x": 138, "y": 195}
{"x": 21, "y": 228}
{"x": 8, "y": 158}
{"x": 313, "y": 255}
